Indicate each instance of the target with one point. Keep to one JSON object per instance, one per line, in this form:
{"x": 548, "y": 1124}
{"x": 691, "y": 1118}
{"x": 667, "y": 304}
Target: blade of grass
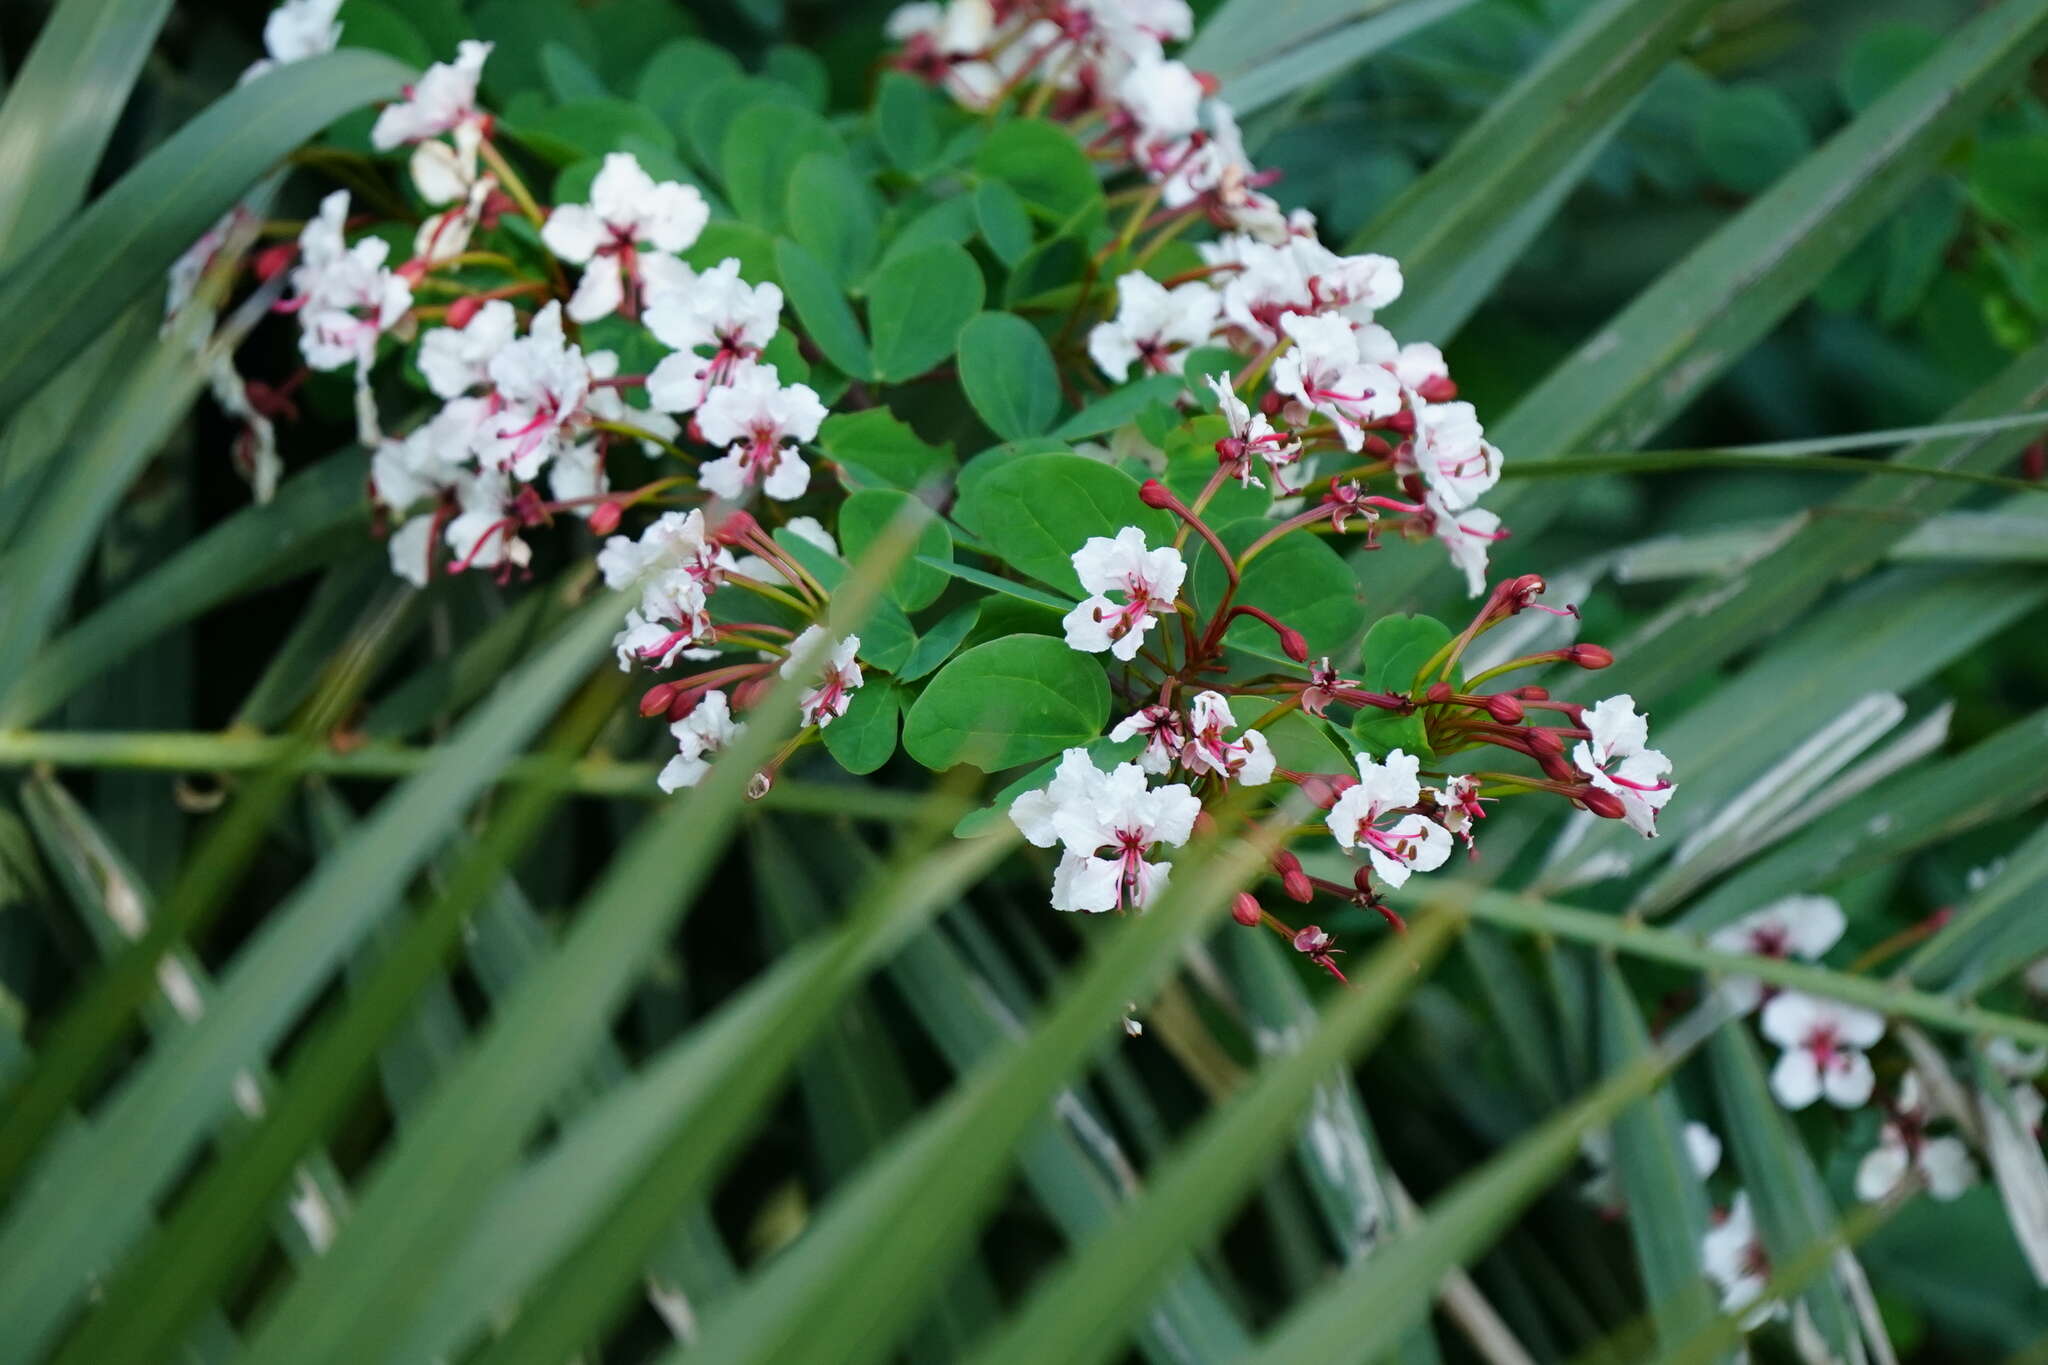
{"x": 1081, "y": 1311}
{"x": 61, "y": 109}
{"x": 1330, "y": 53}
{"x": 59, "y": 295}
{"x": 1998, "y": 930}
{"x": 862, "y": 1271}
{"x": 253, "y": 547}
{"x": 75, "y": 1223}
{"x": 1685, "y": 461}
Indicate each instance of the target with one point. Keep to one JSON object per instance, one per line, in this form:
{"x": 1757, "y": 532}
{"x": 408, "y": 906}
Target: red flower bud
{"x": 1324, "y": 789}
{"x": 738, "y": 525}
{"x": 1438, "y": 692}
{"x": 1606, "y": 805}
{"x": 1246, "y": 910}
{"x": 1589, "y": 656}
{"x": 657, "y": 699}
{"x": 1543, "y": 742}
{"x": 463, "y": 309}
{"x": 1207, "y": 80}
{"x": 1377, "y": 447}
{"x": 274, "y": 259}
{"x": 1156, "y": 494}
{"x": 1532, "y": 692}
{"x": 747, "y": 694}
{"x": 1294, "y": 644}
{"x": 1272, "y": 403}
{"x": 1504, "y": 708}
{"x": 1438, "y": 389}
{"x": 1285, "y": 862}
{"x": 1298, "y": 887}
{"x": 1557, "y": 769}
{"x": 604, "y": 518}
{"x": 1403, "y": 422}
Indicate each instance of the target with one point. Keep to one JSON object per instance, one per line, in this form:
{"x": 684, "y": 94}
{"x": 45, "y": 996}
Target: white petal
{"x": 1795, "y": 1080}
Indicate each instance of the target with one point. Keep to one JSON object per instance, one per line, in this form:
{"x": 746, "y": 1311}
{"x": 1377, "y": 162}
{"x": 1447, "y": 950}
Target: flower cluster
{"x": 1268, "y": 287}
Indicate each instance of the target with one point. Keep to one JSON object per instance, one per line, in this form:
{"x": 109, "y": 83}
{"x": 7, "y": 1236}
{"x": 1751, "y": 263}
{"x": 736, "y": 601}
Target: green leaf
{"x": 759, "y": 153}
{"x": 1298, "y": 578}
{"x": 1045, "y": 166}
{"x": 886, "y": 638}
{"x": 1005, "y": 225}
{"x": 1394, "y": 652}
{"x": 917, "y": 304}
{"x": 1119, "y": 407}
{"x": 1916, "y": 243}
{"x": 801, "y": 70}
{"x": 1036, "y": 511}
{"x": 1990, "y": 935}
{"x": 1664, "y": 1195}
{"x": 675, "y": 75}
{"x": 1335, "y": 38}
{"x": 1007, "y": 702}
{"x": 936, "y": 645}
{"x": 583, "y": 128}
{"x": 1007, "y": 370}
{"x": 820, "y": 304}
{"x": 743, "y": 242}
{"x": 2008, "y": 179}
{"x": 877, "y": 447}
{"x": 569, "y": 78}
{"x": 831, "y": 210}
{"x": 61, "y": 295}
{"x": 862, "y": 519}
{"x": 61, "y": 109}
{"x": 519, "y": 30}
{"x": 1882, "y": 56}
{"x": 906, "y": 121}
{"x": 864, "y": 738}
{"x": 1749, "y": 135}
{"x": 716, "y": 107}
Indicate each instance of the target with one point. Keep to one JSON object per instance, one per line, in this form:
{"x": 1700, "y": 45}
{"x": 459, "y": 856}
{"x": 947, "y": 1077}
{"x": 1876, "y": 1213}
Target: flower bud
{"x": 1504, "y": 708}
{"x": 657, "y": 699}
{"x": 1294, "y": 644}
{"x": 1438, "y": 692}
{"x": 1438, "y": 388}
{"x": 463, "y": 309}
{"x": 1589, "y": 656}
{"x": 1246, "y": 910}
{"x": 1324, "y": 789}
{"x": 274, "y": 260}
{"x": 1156, "y": 494}
{"x": 739, "y": 524}
{"x": 1377, "y": 447}
{"x": 604, "y": 518}
{"x": 1298, "y": 887}
{"x": 1606, "y": 805}
{"x": 1543, "y": 742}
{"x": 1272, "y": 403}
{"x": 746, "y": 695}
{"x": 1403, "y": 422}
{"x": 1207, "y": 80}
{"x": 1557, "y": 769}
{"x": 1532, "y": 692}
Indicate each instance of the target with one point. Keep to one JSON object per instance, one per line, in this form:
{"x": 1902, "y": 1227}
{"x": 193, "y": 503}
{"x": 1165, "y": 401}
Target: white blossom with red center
{"x": 1617, "y": 759}
{"x": 1251, "y": 435}
{"x": 1109, "y": 823}
{"x": 1154, "y": 326}
{"x": 345, "y": 298}
{"x": 674, "y": 542}
{"x": 717, "y": 312}
{"x": 1735, "y": 1260}
{"x": 1149, "y": 580}
{"x": 1163, "y": 730}
{"x": 1905, "y": 1151}
{"x": 1823, "y": 1042}
{"x": 629, "y": 215}
{"x": 1324, "y": 372}
{"x": 1377, "y": 816}
{"x": 1457, "y": 805}
{"x": 1801, "y": 927}
{"x": 440, "y": 101}
{"x": 1247, "y": 760}
{"x": 841, "y": 676}
{"x": 760, "y": 421}
{"x": 708, "y": 729}
{"x": 294, "y": 31}
{"x": 1451, "y": 454}
{"x": 671, "y": 622}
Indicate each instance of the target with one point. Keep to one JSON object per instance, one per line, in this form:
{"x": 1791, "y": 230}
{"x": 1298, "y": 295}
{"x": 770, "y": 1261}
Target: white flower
{"x": 540, "y": 383}
{"x": 1150, "y": 581}
{"x": 1087, "y": 811}
{"x": 1210, "y": 165}
{"x": 1153, "y": 325}
{"x": 420, "y": 466}
{"x": 1804, "y": 927}
{"x": 705, "y": 731}
{"x": 296, "y": 30}
{"x": 1412, "y": 843}
{"x": 1466, "y": 536}
{"x": 2014, "y": 1062}
{"x": 606, "y": 402}
{"x": 1451, "y": 453}
{"x": 1904, "y": 1149}
{"x": 577, "y": 479}
{"x": 1458, "y": 805}
{"x": 946, "y": 42}
{"x": 1737, "y": 1262}
{"x": 827, "y": 701}
{"x": 628, "y": 214}
{"x": 1617, "y": 760}
{"x": 344, "y": 295}
{"x": 670, "y": 623}
{"x": 1163, "y": 731}
{"x": 1247, "y": 760}
{"x": 1251, "y": 434}
{"x": 411, "y": 550}
{"x": 455, "y": 360}
{"x": 715, "y": 311}
{"x": 1324, "y": 372}
{"x": 440, "y": 101}
{"x": 1162, "y": 98}
{"x": 1823, "y": 1042}
{"x": 484, "y": 533}
{"x": 674, "y": 542}
{"x": 760, "y": 421}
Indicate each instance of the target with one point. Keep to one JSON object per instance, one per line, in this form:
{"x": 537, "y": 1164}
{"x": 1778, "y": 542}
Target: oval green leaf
{"x": 1008, "y": 702}
{"x": 1036, "y": 510}
{"x": 1007, "y": 370}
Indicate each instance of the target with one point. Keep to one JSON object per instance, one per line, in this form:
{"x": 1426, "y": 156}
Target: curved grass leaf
{"x": 62, "y": 107}
{"x": 59, "y": 297}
